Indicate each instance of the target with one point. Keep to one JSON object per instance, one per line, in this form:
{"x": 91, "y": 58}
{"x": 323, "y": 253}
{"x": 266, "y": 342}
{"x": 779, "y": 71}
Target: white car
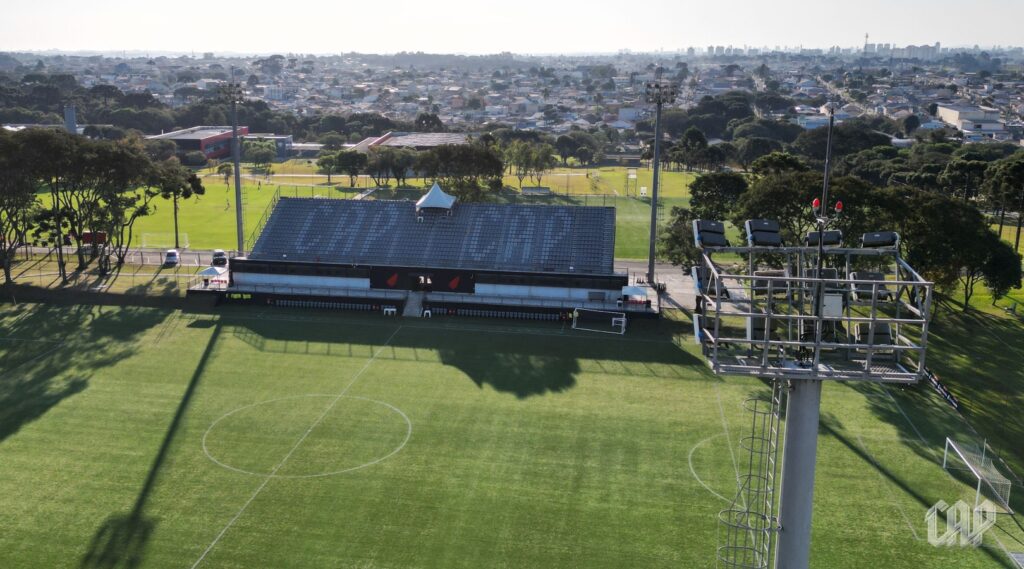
{"x": 220, "y": 258}
{"x": 171, "y": 258}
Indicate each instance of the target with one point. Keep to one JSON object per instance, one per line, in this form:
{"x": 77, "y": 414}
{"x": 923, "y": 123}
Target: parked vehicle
{"x": 172, "y": 258}
{"x": 220, "y": 258}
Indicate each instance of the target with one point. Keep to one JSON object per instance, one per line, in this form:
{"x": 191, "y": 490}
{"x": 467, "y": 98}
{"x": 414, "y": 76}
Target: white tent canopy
{"x": 435, "y": 199}
{"x": 212, "y": 272}
{"x": 634, "y": 291}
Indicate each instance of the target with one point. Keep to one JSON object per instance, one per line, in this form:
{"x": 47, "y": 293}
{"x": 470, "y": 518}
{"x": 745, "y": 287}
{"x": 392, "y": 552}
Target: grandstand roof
{"x": 519, "y": 238}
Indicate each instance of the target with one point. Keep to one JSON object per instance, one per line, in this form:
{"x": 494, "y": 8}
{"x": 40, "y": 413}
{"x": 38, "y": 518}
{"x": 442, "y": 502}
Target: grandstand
{"x": 437, "y": 256}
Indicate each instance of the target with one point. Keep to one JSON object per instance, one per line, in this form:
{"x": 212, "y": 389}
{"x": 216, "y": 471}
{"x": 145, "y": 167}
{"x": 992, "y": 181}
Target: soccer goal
{"x": 599, "y": 321}
{"x": 978, "y": 461}
{"x": 163, "y": 240}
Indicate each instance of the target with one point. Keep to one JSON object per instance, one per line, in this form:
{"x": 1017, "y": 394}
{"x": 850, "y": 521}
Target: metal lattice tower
{"x": 747, "y": 525}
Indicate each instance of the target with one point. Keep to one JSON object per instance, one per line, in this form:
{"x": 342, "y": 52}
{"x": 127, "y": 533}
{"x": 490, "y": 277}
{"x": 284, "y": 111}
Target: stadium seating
{"x": 533, "y": 238}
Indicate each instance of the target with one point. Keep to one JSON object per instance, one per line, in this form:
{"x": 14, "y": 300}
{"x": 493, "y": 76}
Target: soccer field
{"x": 139, "y": 437}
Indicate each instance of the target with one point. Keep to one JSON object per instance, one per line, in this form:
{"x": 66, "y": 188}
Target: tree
{"x": 566, "y": 147}
{"x": 17, "y": 201}
{"x": 585, "y": 155}
{"x": 332, "y": 141}
{"x": 714, "y": 195}
{"x": 963, "y": 176}
{"x": 677, "y": 243}
{"x": 750, "y": 149}
{"x": 194, "y": 158}
{"x": 777, "y": 163}
{"x": 227, "y": 170}
{"x": 460, "y": 168}
{"x": 125, "y": 192}
{"x": 176, "y": 183}
{"x": 327, "y": 163}
{"x": 47, "y": 153}
{"x": 160, "y": 149}
{"x": 1005, "y": 184}
{"x": 403, "y": 162}
{"x": 542, "y": 159}
{"x": 428, "y": 122}
{"x": 1002, "y": 269}
{"x": 910, "y": 123}
{"x": 380, "y": 164}
{"x": 848, "y": 138}
{"x": 351, "y": 163}
{"x": 946, "y": 241}
{"x": 787, "y": 198}
{"x": 519, "y": 157}
{"x": 693, "y": 139}
{"x": 260, "y": 152}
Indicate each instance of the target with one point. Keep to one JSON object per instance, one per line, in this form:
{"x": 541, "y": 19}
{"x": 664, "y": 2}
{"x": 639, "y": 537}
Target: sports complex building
{"x": 213, "y": 141}
{"x": 436, "y": 257}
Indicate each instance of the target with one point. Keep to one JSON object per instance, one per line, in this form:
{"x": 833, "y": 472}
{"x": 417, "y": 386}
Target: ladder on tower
{"x": 747, "y": 525}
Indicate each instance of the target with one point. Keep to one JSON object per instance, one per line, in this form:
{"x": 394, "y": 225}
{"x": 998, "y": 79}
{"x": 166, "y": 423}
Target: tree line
{"x": 60, "y": 189}
{"x": 466, "y": 170}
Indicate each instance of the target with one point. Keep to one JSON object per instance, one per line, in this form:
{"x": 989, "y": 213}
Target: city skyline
{"x": 529, "y": 27}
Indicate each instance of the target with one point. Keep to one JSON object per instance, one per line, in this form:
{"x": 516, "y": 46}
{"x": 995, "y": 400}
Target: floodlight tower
{"x": 657, "y": 93}
{"x": 232, "y": 93}
{"x": 803, "y": 410}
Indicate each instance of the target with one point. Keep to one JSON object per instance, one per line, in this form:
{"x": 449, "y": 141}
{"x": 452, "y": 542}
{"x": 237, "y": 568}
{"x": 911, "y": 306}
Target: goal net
{"x": 979, "y": 462}
{"x": 163, "y": 240}
{"x": 599, "y": 321}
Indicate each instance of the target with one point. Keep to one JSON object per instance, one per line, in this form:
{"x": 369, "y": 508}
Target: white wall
{"x": 261, "y": 279}
{"x": 540, "y": 292}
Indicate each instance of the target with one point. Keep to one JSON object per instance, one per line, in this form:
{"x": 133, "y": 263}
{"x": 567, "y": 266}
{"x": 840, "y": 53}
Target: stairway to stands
{"x": 413, "y": 305}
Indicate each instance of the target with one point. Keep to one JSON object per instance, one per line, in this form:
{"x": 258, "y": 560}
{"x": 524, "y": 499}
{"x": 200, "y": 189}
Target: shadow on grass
{"x": 832, "y": 427}
{"x": 57, "y": 350}
{"x": 524, "y": 360}
{"x": 120, "y": 542}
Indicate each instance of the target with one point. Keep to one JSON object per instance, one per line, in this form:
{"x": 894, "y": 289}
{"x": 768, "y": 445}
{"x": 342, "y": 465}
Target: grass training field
{"x": 209, "y": 220}
{"x": 144, "y": 437}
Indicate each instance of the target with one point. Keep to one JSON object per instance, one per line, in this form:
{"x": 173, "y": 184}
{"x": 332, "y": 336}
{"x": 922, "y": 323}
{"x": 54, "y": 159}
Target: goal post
{"x": 979, "y": 462}
{"x": 604, "y": 321}
{"x": 163, "y": 240}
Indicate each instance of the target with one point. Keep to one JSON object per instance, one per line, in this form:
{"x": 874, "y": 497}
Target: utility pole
{"x": 658, "y": 93}
{"x": 234, "y": 95}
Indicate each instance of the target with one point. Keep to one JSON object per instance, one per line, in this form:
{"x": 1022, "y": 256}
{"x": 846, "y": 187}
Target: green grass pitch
{"x": 135, "y": 437}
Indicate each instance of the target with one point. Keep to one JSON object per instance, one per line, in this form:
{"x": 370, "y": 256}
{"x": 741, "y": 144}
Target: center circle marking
{"x": 388, "y": 406}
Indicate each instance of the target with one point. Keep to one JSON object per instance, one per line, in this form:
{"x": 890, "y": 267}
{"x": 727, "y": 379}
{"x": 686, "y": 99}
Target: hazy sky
{"x": 522, "y": 26}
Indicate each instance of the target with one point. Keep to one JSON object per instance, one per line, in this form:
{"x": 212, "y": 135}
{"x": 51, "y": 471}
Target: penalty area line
{"x": 295, "y": 447}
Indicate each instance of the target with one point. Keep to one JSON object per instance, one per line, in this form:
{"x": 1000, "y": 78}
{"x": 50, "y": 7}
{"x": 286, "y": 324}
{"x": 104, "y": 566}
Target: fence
{"x": 142, "y": 274}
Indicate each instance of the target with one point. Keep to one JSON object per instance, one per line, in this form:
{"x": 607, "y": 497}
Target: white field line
{"x": 281, "y": 464}
{"x": 885, "y": 483}
{"x": 452, "y": 327}
{"x": 920, "y": 436}
{"x": 728, "y": 440}
{"x": 693, "y": 471}
{"x": 907, "y": 418}
{"x": 396, "y": 450}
